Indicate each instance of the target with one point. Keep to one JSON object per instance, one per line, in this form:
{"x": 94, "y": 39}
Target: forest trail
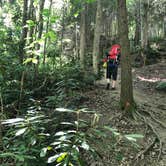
{"x": 151, "y": 105}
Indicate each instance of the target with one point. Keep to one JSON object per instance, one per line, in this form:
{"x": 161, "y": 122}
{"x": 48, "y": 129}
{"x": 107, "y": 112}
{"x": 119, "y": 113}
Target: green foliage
{"x": 161, "y": 86}
{"x": 38, "y": 139}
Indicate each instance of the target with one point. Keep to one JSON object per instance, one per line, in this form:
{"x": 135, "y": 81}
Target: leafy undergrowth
{"x": 40, "y": 139}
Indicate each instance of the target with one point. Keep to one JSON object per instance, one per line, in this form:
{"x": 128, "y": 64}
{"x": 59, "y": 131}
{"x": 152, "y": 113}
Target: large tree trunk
{"x": 96, "y": 41}
{"x": 82, "y": 38}
{"x": 126, "y": 95}
{"x": 24, "y": 31}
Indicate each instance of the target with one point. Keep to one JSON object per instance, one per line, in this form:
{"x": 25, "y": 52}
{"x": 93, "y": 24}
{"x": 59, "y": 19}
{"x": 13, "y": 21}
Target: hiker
{"x": 112, "y": 59}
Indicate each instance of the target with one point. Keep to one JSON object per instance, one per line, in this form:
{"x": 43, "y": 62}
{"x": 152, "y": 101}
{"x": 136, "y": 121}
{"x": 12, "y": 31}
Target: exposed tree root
{"x": 143, "y": 152}
{"x": 156, "y": 120}
{"x": 157, "y": 138}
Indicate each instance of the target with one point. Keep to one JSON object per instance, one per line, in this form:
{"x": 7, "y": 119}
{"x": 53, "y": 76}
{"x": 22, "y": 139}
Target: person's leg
{"x": 108, "y": 83}
{"x": 108, "y": 76}
{"x": 114, "y": 75}
{"x": 113, "y": 83}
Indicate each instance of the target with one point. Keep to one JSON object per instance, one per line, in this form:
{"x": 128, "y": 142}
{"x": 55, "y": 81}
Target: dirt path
{"x": 151, "y": 105}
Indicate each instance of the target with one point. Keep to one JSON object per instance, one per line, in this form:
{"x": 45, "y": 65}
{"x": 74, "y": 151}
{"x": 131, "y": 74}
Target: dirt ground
{"x": 151, "y": 122}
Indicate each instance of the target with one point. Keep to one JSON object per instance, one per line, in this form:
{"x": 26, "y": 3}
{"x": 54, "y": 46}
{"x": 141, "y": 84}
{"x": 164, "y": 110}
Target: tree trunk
{"x": 96, "y": 42}
{"x": 62, "y": 32}
{"x": 82, "y": 38}
{"x": 45, "y": 41}
{"x": 24, "y": 31}
{"x": 138, "y": 23}
{"x": 31, "y": 16}
{"x": 144, "y": 36}
{"x": 40, "y": 27}
{"x": 164, "y": 25}
{"x": 126, "y": 95}
{"x": 1, "y": 114}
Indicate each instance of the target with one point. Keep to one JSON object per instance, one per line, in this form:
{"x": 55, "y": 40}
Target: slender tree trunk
{"x": 96, "y": 41}
{"x": 126, "y": 95}
{"x": 1, "y": 143}
{"x": 45, "y": 41}
{"x": 40, "y": 27}
{"x": 24, "y": 31}
{"x": 31, "y": 16}
{"x": 144, "y": 37}
{"x": 164, "y": 25}
{"x": 76, "y": 49}
{"x": 82, "y": 38}
{"x": 40, "y": 31}
{"x": 1, "y": 114}
{"x": 62, "y": 32}
{"x": 21, "y": 90}
{"x": 138, "y": 24}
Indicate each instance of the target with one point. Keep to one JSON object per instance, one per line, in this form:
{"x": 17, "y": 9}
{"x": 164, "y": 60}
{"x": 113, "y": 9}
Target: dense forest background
{"x": 54, "y": 106}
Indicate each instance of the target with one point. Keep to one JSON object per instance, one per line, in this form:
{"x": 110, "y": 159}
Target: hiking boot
{"x": 113, "y": 88}
{"x": 108, "y": 87}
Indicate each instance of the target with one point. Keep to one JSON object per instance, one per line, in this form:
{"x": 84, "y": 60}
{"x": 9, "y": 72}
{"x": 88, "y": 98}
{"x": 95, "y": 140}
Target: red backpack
{"x": 115, "y": 49}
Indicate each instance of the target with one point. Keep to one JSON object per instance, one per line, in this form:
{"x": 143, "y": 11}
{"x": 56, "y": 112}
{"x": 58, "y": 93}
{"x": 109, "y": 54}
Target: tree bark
{"x": 1, "y": 114}
{"x": 144, "y": 33}
{"x": 24, "y": 31}
{"x": 126, "y": 94}
{"x": 31, "y": 16}
{"x": 138, "y": 23}
{"x": 82, "y": 38}
{"x": 40, "y": 27}
{"x": 164, "y": 25}
{"x": 45, "y": 41}
{"x": 96, "y": 42}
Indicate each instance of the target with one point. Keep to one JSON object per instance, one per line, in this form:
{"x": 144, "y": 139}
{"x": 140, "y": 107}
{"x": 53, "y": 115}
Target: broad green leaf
{"x": 67, "y": 123}
{"x": 61, "y": 157}
{"x": 30, "y": 23}
{"x": 60, "y": 133}
{"x": 21, "y": 131}
{"x": 64, "y": 110}
{"x": 7, "y": 154}
{"x": 27, "y": 60}
{"x": 85, "y": 146}
{"x": 33, "y": 141}
{"x": 49, "y": 148}
{"x": 54, "y": 158}
{"x": 112, "y": 130}
{"x": 34, "y": 60}
{"x": 131, "y": 139}
{"x": 134, "y": 135}
{"x": 43, "y": 152}
{"x": 13, "y": 121}
{"x": 46, "y": 12}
